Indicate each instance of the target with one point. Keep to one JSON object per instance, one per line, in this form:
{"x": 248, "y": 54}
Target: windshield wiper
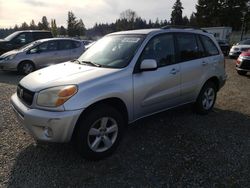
{"x": 76, "y": 60}
{"x": 90, "y": 63}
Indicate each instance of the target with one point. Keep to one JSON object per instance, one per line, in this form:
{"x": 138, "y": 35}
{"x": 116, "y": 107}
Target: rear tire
{"x": 242, "y": 73}
{"x": 26, "y": 67}
{"x": 98, "y": 132}
{"x": 206, "y": 99}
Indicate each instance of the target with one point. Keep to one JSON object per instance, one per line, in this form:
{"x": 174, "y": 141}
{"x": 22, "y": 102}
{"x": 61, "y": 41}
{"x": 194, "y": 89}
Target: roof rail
{"x": 182, "y": 27}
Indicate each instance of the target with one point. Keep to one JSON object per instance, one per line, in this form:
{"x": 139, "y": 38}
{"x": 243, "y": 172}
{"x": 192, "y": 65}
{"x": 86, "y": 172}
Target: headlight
{"x": 10, "y": 57}
{"x": 56, "y": 96}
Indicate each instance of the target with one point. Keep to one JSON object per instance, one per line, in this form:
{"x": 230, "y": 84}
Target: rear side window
{"x": 209, "y": 45}
{"x": 76, "y": 44}
{"x": 161, "y": 48}
{"x": 65, "y": 45}
{"x": 42, "y": 35}
{"x": 188, "y": 48}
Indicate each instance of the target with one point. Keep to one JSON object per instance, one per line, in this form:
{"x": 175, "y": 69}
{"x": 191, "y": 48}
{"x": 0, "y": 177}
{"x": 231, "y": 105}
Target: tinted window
{"x": 188, "y": 47}
{"x": 160, "y": 48}
{"x": 65, "y": 45}
{"x": 23, "y": 38}
{"x": 210, "y": 47}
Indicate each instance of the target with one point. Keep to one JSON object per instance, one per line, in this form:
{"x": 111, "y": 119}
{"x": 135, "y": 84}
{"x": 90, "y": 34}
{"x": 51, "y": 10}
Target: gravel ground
{"x": 176, "y": 148}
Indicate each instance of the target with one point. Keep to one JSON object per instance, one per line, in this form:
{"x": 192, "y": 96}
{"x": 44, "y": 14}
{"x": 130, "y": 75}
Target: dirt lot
{"x": 176, "y": 148}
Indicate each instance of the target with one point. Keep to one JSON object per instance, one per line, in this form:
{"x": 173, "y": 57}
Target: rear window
{"x": 209, "y": 45}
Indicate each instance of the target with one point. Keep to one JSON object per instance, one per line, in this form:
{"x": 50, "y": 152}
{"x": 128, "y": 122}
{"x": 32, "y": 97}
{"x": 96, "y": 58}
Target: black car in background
{"x": 225, "y": 47}
{"x": 21, "y": 38}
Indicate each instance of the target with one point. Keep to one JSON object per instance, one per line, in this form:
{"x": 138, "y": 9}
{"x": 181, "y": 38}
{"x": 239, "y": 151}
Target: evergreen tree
{"x": 80, "y": 28}
{"x": 62, "y": 31}
{"x": 24, "y": 26}
{"x": 54, "y": 28}
{"x": 45, "y": 23}
{"x": 71, "y": 24}
{"x": 176, "y": 15}
{"x": 33, "y": 25}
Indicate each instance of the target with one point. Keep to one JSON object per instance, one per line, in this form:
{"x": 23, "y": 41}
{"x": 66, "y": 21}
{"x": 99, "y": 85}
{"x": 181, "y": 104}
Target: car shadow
{"x": 8, "y": 77}
{"x": 173, "y": 148}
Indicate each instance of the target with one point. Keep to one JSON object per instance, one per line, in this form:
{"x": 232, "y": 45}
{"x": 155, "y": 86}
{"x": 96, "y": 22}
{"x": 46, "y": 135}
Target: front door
{"x": 159, "y": 89}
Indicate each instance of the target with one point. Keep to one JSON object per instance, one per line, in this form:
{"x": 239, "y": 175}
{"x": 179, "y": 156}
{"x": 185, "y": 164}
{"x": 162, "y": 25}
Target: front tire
{"x": 99, "y": 132}
{"x": 26, "y": 67}
{"x": 206, "y": 99}
{"x": 242, "y": 73}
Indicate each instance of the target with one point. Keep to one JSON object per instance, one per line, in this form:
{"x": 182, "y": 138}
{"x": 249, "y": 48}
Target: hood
{"x": 63, "y": 74}
{"x": 12, "y": 52}
{"x": 2, "y": 40}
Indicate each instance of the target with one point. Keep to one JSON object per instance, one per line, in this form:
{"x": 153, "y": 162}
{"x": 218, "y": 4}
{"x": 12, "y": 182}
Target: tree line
{"x": 208, "y": 13}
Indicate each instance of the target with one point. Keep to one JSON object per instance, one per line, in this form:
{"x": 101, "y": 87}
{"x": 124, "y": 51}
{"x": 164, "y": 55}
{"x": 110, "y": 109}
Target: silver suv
{"x": 123, "y": 77}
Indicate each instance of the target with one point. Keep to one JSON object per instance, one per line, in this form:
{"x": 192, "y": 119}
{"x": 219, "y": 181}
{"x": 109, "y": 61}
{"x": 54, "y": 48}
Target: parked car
{"x": 21, "y": 38}
{"x": 243, "y": 63}
{"x": 224, "y": 46}
{"x": 123, "y": 77}
{"x": 236, "y": 50}
{"x": 40, "y": 54}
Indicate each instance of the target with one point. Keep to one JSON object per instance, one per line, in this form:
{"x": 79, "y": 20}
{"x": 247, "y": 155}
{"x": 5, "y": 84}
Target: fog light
{"x": 48, "y": 132}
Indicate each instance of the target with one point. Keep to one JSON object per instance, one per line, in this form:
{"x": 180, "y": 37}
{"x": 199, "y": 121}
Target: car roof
{"x": 49, "y": 39}
{"x": 160, "y": 30}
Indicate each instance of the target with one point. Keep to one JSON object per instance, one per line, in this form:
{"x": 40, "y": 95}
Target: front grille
{"x": 245, "y": 64}
{"x": 25, "y": 95}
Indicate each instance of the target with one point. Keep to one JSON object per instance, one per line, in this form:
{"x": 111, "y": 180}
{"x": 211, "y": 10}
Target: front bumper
{"x": 8, "y": 66}
{"x": 46, "y": 125}
{"x": 244, "y": 65}
{"x": 234, "y": 54}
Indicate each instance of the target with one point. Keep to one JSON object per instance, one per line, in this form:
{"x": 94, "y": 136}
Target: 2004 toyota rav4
{"x": 123, "y": 77}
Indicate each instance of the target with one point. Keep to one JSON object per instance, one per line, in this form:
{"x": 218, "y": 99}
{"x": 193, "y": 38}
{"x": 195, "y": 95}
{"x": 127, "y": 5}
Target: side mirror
{"x": 148, "y": 65}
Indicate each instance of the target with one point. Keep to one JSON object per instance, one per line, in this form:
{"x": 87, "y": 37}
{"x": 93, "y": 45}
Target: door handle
{"x": 174, "y": 71}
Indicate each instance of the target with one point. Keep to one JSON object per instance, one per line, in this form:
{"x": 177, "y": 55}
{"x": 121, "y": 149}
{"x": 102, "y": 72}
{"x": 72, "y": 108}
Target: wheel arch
{"x": 25, "y": 61}
{"x": 114, "y": 102}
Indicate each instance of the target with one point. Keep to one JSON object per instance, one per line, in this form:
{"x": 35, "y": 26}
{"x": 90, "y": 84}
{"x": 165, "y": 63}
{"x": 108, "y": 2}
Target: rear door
{"x": 159, "y": 89}
{"x": 192, "y": 62}
{"x": 64, "y": 53}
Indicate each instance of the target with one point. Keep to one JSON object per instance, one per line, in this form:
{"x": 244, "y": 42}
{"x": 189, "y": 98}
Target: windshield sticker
{"x": 132, "y": 40}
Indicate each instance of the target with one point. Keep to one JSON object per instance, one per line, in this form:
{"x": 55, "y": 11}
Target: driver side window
{"x": 160, "y": 48}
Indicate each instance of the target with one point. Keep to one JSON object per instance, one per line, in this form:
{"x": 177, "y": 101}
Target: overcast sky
{"x": 90, "y": 11}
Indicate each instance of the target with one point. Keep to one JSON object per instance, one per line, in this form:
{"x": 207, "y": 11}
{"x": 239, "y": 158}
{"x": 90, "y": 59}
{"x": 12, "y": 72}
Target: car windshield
{"x": 28, "y": 46}
{"x": 114, "y": 51}
{"x": 11, "y": 36}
